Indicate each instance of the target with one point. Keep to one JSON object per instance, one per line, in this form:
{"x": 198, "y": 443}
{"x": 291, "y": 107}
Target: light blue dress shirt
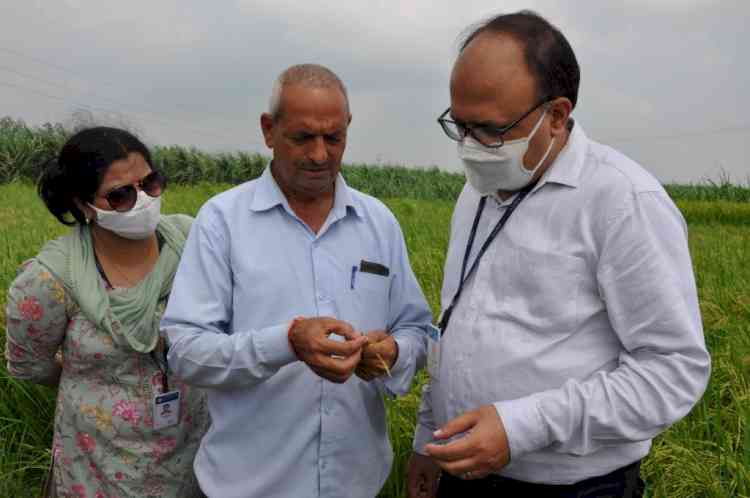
{"x": 249, "y": 267}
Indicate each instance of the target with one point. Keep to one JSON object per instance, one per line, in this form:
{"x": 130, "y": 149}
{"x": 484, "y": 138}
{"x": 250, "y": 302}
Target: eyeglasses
{"x": 123, "y": 198}
{"x": 487, "y": 135}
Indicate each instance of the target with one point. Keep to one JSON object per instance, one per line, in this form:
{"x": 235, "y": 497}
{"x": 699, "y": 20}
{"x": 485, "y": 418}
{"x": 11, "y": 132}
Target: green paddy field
{"x": 707, "y": 454}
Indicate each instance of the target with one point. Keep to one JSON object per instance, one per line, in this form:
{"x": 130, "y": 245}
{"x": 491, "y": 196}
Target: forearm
{"x": 210, "y": 359}
{"x": 45, "y": 373}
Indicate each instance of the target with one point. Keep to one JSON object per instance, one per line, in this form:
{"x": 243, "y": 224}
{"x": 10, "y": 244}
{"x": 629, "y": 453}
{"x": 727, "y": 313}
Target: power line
{"x": 198, "y": 131}
{"x": 47, "y": 63}
{"x": 87, "y": 80}
{"x": 33, "y": 77}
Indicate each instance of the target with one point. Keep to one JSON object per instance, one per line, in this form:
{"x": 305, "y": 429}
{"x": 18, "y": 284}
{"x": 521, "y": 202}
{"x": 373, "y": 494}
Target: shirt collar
{"x": 567, "y": 166}
{"x": 268, "y": 194}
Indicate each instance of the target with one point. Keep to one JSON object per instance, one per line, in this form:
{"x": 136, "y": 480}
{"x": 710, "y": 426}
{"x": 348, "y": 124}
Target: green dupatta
{"x": 128, "y": 315}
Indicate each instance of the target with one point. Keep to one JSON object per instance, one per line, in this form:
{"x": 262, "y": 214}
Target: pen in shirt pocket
{"x": 354, "y": 275}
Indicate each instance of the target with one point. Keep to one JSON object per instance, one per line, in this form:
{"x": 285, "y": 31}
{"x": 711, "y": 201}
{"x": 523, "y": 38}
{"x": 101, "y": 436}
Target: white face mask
{"x": 138, "y": 223}
{"x": 491, "y": 169}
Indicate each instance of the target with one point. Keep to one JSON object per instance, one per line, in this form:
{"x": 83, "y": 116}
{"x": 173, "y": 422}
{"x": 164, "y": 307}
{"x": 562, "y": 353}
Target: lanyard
{"x": 443, "y": 325}
{"x": 163, "y": 367}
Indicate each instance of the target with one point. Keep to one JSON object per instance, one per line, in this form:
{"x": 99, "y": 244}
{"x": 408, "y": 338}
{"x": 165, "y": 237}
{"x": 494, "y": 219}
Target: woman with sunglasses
{"x": 83, "y": 315}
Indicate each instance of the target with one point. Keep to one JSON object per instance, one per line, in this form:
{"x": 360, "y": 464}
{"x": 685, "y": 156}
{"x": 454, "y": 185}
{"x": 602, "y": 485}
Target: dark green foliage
{"x": 23, "y": 149}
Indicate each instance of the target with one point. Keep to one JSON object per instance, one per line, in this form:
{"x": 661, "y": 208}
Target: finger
{"x": 377, "y": 335}
{"x": 456, "y": 450}
{"x": 372, "y": 350}
{"x": 349, "y": 363}
{"x": 341, "y": 328}
{"x": 371, "y": 361}
{"x": 364, "y": 372}
{"x": 330, "y": 347}
{"x": 376, "y": 365}
{"x": 457, "y": 425}
{"x": 338, "y": 366}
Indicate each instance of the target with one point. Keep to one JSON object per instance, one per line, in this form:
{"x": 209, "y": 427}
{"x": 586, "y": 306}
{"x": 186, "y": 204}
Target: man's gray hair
{"x": 309, "y": 75}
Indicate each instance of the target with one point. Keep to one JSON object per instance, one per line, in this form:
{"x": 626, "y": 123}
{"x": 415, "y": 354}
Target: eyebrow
{"x": 309, "y": 133}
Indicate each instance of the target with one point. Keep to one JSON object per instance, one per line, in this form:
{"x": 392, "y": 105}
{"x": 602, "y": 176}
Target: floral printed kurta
{"x": 104, "y": 443}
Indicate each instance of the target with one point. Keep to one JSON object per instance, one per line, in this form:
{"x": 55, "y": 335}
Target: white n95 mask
{"x": 489, "y": 169}
{"x": 138, "y": 223}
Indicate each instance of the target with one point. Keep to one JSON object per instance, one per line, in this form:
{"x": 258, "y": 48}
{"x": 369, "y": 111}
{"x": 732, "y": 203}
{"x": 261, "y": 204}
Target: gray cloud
{"x": 661, "y": 79}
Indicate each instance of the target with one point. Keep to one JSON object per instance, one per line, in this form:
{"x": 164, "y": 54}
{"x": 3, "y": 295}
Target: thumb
{"x": 457, "y": 426}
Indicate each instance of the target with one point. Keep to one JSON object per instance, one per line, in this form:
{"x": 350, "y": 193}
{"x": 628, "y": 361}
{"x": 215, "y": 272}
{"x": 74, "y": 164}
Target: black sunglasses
{"x": 123, "y": 198}
{"x": 489, "y": 136}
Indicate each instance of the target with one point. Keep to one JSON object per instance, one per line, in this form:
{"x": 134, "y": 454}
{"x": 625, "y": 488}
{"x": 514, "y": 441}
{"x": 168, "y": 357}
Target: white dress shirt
{"x": 581, "y": 323}
{"x": 249, "y": 267}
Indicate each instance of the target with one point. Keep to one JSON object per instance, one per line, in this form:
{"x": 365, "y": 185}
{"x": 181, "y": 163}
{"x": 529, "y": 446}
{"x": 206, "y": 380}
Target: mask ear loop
{"x": 530, "y": 173}
{"x": 537, "y": 125}
{"x": 544, "y": 157}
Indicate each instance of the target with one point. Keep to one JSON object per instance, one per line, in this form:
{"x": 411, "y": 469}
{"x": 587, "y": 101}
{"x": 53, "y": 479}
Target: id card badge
{"x": 433, "y": 351}
{"x": 166, "y": 409}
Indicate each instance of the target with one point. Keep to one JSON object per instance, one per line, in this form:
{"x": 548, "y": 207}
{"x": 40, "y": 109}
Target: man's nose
{"x": 318, "y": 152}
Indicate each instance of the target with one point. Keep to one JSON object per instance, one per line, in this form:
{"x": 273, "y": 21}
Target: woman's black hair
{"x": 77, "y": 171}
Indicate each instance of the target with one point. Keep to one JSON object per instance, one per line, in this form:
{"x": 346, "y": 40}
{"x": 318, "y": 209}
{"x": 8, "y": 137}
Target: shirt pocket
{"x": 541, "y": 290}
{"x": 369, "y": 299}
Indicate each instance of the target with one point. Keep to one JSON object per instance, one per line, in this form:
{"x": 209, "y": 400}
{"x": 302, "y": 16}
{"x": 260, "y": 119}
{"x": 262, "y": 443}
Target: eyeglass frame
{"x": 469, "y": 129}
{"x": 139, "y": 183}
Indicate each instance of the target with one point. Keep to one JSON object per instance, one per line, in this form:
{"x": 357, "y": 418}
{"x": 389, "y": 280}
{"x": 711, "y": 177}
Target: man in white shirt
{"x": 576, "y": 335}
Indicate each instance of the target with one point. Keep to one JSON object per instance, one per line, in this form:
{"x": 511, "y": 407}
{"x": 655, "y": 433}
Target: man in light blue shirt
{"x": 289, "y": 284}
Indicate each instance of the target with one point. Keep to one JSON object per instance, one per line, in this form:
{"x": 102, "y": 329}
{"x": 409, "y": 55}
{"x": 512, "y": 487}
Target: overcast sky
{"x": 666, "y": 81}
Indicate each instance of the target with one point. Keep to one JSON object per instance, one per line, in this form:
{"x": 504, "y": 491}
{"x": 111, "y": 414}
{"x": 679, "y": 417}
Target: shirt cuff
{"x": 402, "y": 370}
{"x": 403, "y": 350}
{"x": 273, "y": 345}
{"x": 524, "y": 427}
{"x": 422, "y": 436}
